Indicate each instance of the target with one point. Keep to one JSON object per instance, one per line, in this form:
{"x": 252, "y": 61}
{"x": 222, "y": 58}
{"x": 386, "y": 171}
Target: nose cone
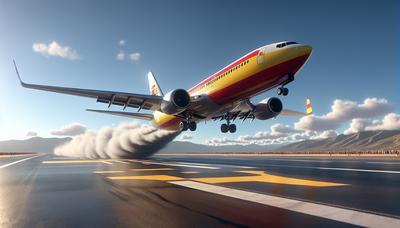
{"x": 306, "y": 49}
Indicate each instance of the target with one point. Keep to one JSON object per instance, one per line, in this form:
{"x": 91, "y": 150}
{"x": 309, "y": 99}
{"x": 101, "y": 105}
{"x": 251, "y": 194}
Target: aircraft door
{"x": 260, "y": 57}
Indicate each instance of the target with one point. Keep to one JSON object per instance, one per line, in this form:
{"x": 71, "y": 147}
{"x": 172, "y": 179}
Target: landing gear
{"x": 282, "y": 91}
{"x": 228, "y": 127}
{"x": 224, "y": 128}
{"x": 184, "y": 126}
{"x": 192, "y": 126}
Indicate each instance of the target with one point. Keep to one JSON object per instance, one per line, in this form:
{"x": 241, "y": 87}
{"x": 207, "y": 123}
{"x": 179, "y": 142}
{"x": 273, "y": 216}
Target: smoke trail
{"x": 127, "y": 140}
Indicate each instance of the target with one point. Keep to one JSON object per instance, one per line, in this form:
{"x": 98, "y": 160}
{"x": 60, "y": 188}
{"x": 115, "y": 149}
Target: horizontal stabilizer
{"x": 142, "y": 116}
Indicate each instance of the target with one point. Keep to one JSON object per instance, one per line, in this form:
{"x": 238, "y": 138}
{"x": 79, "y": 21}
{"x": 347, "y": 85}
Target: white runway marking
{"x": 179, "y": 165}
{"x": 106, "y": 162}
{"x": 359, "y": 170}
{"x": 18, "y": 161}
{"x": 300, "y": 160}
{"x": 337, "y": 169}
{"x": 329, "y": 212}
{"x": 385, "y": 163}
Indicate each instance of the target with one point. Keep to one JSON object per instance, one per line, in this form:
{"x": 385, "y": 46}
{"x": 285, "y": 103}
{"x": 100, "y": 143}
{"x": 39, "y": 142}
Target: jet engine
{"x": 268, "y": 108}
{"x": 175, "y": 102}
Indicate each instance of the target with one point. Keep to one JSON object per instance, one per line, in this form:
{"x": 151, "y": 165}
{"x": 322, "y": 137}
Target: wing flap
{"x": 142, "y": 116}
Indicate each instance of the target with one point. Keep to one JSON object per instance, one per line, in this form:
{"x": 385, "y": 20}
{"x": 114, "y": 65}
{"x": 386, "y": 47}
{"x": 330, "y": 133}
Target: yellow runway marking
{"x": 150, "y": 169}
{"x": 261, "y": 176}
{"x": 150, "y": 177}
{"x": 189, "y": 172}
{"x": 74, "y": 161}
{"x": 106, "y": 172}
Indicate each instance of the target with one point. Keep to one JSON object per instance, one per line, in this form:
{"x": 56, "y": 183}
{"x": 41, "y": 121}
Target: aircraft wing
{"x": 143, "y": 116}
{"x": 141, "y": 101}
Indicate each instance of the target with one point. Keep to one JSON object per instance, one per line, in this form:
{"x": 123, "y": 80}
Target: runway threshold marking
{"x": 18, "y": 161}
{"x": 259, "y": 176}
{"x": 329, "y": 212}
{"x": 189, "y": 172}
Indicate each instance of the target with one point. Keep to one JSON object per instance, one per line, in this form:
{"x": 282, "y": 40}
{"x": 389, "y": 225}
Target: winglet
{"x": 16, "y": 70}
{"x": 309, "y": 109}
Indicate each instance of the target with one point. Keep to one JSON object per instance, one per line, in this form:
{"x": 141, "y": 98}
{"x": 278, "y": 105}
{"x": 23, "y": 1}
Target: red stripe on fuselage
{"x": 225, "y": 69}
{"x": 258, "y": 82}
{"x": 252, "y": 85}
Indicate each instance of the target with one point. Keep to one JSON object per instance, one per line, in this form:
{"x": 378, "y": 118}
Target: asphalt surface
{"x": 172, "y": 191}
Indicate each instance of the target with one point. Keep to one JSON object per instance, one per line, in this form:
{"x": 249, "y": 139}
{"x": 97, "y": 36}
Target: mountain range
{"x": 362, "y": 141}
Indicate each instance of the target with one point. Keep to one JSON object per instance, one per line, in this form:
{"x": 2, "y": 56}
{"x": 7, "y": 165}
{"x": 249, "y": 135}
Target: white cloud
{"x": 186, "y": 137}
{"x": 54, "y": 49}
{"x": 390, "y": 122}
{"x": 343, "y": 111}
{"x": 326, "y": 134}
{"x": 31, "y": 134}
{"x": 135, "y": 57}
{"x": 122, "y": 42}
{"x": 120, "y": 56}
{"x": 69, "y": 130}
{"x": 357, "y": 125}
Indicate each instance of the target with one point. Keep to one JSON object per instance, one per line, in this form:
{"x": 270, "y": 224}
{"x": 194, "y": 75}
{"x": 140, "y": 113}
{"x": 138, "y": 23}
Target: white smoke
{"x": 127, "y": 140}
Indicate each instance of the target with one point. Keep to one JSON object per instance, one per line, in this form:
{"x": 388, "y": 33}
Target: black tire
{"x": 285, "y": 91}
{"x": 183, "y": 126}
{"x": 192, "y": 126}
{"x": 224, "y": 128}
{"x": 279, "y": 91}
{"x": 232, "y": 128}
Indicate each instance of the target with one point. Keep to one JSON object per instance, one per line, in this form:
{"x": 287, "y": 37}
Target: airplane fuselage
{"x": 256, "y": 72}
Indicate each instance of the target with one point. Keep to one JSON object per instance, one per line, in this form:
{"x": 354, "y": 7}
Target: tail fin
{"x": 153, "y": 85}
{"x": 309, "y": 110}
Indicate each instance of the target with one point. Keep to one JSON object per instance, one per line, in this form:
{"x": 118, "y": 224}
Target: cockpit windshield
{"x": 281, "y": 45}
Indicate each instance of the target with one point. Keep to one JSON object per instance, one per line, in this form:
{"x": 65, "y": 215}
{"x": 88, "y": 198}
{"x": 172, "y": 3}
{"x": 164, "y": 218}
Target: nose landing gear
{"x": 282, "y": 91}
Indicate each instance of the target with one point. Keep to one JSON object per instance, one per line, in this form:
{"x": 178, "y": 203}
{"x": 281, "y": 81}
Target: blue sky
{"x": 355, "y": 54}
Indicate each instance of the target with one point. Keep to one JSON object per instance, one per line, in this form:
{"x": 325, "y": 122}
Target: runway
{"x": 174, "y": 191}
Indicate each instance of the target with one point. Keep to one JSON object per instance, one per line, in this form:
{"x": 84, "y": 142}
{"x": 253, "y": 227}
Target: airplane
{"x": 223, "y": 96}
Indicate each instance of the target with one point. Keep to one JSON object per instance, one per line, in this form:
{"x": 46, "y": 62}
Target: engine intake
{"x": 268, "y": 108}
{"x": 176, "y": 101}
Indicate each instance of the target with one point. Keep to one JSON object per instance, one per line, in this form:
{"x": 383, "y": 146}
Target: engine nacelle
{"x": 268, "y": 108}
{"x": 176, "y": 101}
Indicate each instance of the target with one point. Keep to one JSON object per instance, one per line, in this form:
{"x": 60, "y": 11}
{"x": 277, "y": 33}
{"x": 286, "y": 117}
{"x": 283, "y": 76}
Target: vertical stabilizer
{"x": 308, "y": 107}
{"x": 153, "y": 85}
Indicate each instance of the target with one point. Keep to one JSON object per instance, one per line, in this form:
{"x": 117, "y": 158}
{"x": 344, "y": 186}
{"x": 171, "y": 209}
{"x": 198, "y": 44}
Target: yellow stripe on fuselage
{"x": 271, "y": 59}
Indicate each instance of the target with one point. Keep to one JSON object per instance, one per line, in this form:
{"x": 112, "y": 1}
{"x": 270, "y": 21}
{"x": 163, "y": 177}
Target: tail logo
{"x": 308, "y": 107}
{"x": 154, "y": 90}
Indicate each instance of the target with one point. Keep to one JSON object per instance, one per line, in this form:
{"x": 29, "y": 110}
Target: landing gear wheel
{"x": 282, "y": 91}
{"x": 232, "y": 128}
{"x": 224, "y": 128}
{"x": 285, "y": 91}
{"x": 183, "y": 126}
{"x": 192, "y": 126}
{"x": 279, "y": 91}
